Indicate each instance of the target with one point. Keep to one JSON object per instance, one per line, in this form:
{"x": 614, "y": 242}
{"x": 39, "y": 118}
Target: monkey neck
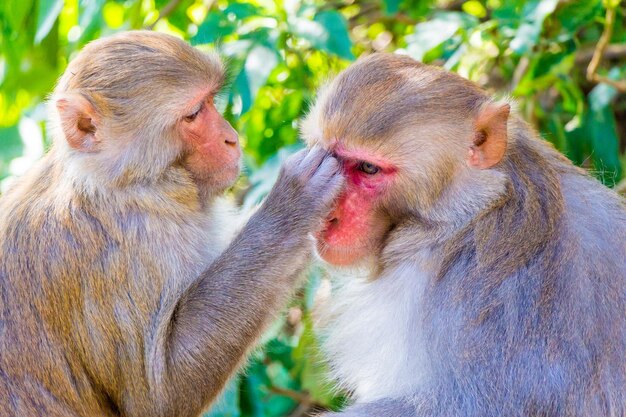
{"x": 172, "y": 192}
{"x": 527, "y": 222}
{"x": 470, "y": 193}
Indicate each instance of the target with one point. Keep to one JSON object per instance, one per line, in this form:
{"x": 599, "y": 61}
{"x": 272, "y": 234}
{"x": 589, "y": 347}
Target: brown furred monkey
{"x": 495, "y": 279}
{"x": 119, "y": 293}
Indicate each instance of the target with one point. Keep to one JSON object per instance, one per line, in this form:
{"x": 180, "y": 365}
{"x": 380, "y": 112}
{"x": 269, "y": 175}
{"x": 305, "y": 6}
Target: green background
{"x": 537, "y": 52}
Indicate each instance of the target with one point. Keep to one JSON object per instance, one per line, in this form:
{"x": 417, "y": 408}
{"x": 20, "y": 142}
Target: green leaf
{"x": 328, "y": 31}
{"x": 544, "y": 71}
{"x": 338, "y": 41}
{"x": 214, "y": 27}
{"x": 257, "y": 400}
{"x": 47, "y": 14}
{"x": 241, "y": 10}
{"x": 533, "y": 16}
{"x": 179, "y": 18}
{"x": 573, "y": 15}
{"x": 91, "y": 19}
{"x": 392, "y": 6}
{"x": 312, "y": 368}
{"x": 16, "y": 12}
{"x": 578, "y": 144}
{"x": 603, "y": 129}
{"x": 11, "y": 146}
{"x": 431, "y": 34}
{"x": 242, "y": 90}
{"x": 260, "y": 62}
{"x": 611, "y": 4}
{"x": 475, "y": 8}
{"x": 89, "y": 9}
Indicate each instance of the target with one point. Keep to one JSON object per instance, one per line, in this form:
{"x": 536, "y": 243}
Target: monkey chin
{"x": 215, "y": 183}
{"x": 341, "y": 256}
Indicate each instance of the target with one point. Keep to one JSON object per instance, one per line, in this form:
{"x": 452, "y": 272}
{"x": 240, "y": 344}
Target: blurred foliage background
{"x": 564, "y": 62}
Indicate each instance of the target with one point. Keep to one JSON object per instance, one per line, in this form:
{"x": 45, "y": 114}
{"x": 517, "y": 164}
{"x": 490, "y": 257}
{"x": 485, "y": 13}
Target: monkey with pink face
{"x": 125, "y": 288}
{"x": 479, "y": 272}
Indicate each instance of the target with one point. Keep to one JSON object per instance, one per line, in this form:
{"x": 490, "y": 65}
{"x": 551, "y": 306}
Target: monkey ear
{"x": 78, "y": 122}
{"x": 490, "y": 136}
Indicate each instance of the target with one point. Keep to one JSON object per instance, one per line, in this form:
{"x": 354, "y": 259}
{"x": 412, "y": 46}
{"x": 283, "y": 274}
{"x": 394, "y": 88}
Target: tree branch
{"x": 614, "y": 51}
{"x": 301, "y": 397}
{"x": 598, "y": 53}
{"x": 167, "y": 10}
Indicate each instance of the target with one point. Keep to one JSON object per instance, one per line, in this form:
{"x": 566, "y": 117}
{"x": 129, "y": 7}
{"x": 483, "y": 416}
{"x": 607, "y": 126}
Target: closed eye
{"x": 191, "y": 117}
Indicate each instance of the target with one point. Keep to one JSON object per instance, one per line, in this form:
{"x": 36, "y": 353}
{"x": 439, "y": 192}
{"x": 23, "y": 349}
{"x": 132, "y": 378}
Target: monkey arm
{"x": 218, "y": 319}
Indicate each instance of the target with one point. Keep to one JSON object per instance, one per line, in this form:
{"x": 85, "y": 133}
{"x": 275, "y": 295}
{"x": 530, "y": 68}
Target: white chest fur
{"x": 372, "y": 334}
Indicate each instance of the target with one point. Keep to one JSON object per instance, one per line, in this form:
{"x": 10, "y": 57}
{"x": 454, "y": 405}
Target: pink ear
{"x": 78, "y": 122}
{"x": 490, "y": 136}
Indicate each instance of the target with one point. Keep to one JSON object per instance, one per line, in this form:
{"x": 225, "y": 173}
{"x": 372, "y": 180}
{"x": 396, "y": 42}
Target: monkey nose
{"x": 231, "y": 139}
{"x": 332, "y": 221}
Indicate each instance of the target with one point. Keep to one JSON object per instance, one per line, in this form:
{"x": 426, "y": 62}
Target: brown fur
{"x": 499, "y": 288}
{"x": 120, "y": 294}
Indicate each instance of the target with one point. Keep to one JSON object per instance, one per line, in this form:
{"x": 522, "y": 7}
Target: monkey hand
{"x": 305, "y": 191}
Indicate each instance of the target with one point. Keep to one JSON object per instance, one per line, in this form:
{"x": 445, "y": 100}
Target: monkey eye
{"x": 369, "y": 169}
{"x": 190, "y": 118}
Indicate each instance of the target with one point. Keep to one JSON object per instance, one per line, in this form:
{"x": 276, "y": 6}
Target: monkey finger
{"x": 296, "y": 159}
{"x": 313, "y": 160}
{"x": 334, "y": 187}
{"x": 328, "y": 179}
{"x": 328, "y": 167}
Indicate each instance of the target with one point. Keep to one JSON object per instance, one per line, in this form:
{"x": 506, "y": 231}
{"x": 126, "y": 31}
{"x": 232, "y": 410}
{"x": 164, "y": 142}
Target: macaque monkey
{"x": 120, "y": 294}
{"x": 483, "y": 274}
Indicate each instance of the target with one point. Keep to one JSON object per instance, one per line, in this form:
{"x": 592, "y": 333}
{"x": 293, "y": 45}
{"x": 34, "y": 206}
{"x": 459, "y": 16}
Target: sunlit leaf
{"x": 16, "y": 12}
{"x": 47, "y": 13}
{"x": 214, "y": 27}
{"x": 113, "y": 15}
{"x": 475, "y": 8}
{"x": 533, "y": 16}
{"x": 328, "y": 31}
{"x": 91, "y": 19}
{"x": 259, "y": 64}
{"x": 431, "y": 34}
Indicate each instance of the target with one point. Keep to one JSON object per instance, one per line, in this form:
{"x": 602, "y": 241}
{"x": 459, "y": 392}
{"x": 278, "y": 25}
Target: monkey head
{"x": 410, "y": 137}
{"x": 132, "y": 105}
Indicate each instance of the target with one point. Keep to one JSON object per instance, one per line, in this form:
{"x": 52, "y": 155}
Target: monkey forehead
{"x": 141, "y": 63}
{"x": 383, "y": 94}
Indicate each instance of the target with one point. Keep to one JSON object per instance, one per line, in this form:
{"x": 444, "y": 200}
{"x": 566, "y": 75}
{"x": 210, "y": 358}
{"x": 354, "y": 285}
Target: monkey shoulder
{"x": 595, "y": 217}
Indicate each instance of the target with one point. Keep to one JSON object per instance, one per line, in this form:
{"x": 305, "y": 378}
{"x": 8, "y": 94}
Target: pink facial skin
{"x": 352, "y": 230}
{"x": 213, "y": 144}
